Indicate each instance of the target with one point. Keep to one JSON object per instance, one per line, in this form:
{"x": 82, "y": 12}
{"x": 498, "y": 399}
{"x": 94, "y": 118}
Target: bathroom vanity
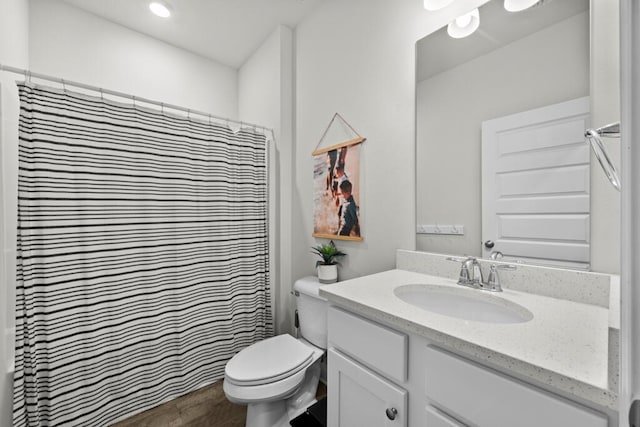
{"x": 393, "y": 361}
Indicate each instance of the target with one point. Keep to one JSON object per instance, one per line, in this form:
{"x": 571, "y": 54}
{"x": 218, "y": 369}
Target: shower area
{"x": 144, "y": 253}
{"x": 143, "y": 256}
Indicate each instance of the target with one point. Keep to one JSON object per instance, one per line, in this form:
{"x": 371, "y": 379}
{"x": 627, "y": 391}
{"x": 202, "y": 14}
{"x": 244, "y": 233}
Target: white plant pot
{"x": 328, "y": 273}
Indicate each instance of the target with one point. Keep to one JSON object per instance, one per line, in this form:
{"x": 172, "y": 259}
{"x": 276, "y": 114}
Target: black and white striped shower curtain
{"x": 142, "y": 256}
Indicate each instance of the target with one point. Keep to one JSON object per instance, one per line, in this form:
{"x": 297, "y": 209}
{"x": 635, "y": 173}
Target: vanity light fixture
{"x": 436, "y": 4}
{"x": 518, "y": 5}
{"x": 464, "y": 25}
{"x": 160, "y": 9}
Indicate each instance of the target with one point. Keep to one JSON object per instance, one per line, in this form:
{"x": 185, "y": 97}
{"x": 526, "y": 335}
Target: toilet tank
{"x": 312, "y": 311}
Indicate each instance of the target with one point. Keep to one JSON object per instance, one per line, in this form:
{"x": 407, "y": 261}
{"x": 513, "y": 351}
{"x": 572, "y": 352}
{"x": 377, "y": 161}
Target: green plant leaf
{"x": 328, "y": 253}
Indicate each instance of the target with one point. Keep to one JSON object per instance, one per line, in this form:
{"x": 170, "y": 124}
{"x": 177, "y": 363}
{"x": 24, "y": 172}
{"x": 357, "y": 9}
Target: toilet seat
{"x": 269, "y": 361}
{"x": 244, "y": 395}
{"x": 288, "y": 381}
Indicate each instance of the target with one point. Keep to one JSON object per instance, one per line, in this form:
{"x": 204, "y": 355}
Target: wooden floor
{"x": 207, "y": 407}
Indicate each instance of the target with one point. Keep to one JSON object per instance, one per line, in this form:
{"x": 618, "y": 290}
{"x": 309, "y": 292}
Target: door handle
{"x": 489, "y": 244}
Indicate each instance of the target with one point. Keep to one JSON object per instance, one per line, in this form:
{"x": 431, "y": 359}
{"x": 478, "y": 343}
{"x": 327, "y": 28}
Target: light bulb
{"x": 464, "y": 20}
{"x": 159, "y": 9}
{"x": 518, "y": 5}
{"x": 436, "y": 4}
{"x": 464, "y": 25}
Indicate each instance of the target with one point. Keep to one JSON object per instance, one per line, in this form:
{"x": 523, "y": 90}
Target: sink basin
{"x": 462, "y": 303}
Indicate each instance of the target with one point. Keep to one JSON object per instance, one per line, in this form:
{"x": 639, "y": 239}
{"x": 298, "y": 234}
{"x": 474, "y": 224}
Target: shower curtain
{"x": 142, "y": 256}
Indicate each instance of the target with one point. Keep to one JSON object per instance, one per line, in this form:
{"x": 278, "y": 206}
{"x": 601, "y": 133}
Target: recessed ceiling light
{"x": 159, "y": 9}
{"x": 518, "y": 5}
{"x": 464, "y": 25}
{"x": 436, "y": 4}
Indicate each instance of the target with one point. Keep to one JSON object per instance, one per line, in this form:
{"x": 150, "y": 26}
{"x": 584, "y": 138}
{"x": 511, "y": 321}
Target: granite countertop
{"x": 565, "y": 346}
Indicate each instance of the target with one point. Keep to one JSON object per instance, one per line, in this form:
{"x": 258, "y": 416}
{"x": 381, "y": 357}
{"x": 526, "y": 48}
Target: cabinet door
{"x": 357, "y": 397}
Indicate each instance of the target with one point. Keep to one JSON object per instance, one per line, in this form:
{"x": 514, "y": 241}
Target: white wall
{"x": 547, "y": 67}
{"x": 358, "y": 58}
{"x": 75, "y": 45}
{"x": 265, "y": 92}
{"x": 14, "y": 44}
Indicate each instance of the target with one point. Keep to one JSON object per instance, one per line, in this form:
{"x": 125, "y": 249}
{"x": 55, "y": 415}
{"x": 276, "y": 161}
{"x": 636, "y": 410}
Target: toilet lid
{"x": 268, "y": 361}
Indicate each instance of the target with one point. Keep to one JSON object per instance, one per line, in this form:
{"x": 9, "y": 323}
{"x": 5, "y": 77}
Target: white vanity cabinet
{"x": 478, "y": 396}
{"x": 379, "y": 376}
{"x": 364, "y": 362}
{"x": 358, "y": 396}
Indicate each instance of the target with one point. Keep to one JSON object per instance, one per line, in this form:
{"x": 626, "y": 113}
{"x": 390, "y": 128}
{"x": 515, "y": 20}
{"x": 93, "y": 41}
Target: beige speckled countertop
{"x": 565, "y": 346}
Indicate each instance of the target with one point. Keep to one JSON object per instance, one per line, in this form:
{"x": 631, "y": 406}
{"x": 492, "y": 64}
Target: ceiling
{"x": 206, "y": 27}
{"x": 497, "y": 29}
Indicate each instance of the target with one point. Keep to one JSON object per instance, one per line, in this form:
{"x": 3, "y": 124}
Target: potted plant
{"x": 328, "y": 265}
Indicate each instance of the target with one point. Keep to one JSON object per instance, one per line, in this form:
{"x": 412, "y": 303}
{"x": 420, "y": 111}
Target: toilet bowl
{"x": 277, "y": 378}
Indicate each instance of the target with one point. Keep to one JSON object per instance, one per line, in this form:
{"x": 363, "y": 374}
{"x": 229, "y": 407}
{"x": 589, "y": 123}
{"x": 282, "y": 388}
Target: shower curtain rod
{"x": 28, "y": 75}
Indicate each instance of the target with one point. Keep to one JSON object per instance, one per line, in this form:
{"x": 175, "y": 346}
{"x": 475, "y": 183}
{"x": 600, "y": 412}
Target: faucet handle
{"x": 493, "y": 282}
{"x": 466, "y": 269}
{"x": 475, "y": 274}
{"x": 465, "y": 275}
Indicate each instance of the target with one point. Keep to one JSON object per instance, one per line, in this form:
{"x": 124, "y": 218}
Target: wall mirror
{"x": 500, "y": 148}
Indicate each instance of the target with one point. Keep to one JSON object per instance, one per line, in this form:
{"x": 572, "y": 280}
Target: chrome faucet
{"x": 470, "y": 273}
{"x": 493, "y": 282}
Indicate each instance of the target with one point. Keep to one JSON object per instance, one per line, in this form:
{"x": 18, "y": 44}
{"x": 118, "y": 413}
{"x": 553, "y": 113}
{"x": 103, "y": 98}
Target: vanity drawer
{"x": 377, "y": 346}
{"x": 436, "y": 418}
{"x": 485, "y": 397}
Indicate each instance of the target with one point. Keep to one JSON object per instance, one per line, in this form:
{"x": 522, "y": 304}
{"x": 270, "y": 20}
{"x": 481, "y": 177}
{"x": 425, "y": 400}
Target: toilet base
{"x": 267, "y": 414}
{"x": 277, "y": 413}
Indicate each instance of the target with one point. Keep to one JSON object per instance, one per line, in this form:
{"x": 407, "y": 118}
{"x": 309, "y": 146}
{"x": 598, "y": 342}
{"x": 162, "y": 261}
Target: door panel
{"x": 545, "y": 227}
{"x": 535, "y": 185}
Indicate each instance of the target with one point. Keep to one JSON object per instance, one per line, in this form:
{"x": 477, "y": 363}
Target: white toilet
{"x": 277, "y": 378}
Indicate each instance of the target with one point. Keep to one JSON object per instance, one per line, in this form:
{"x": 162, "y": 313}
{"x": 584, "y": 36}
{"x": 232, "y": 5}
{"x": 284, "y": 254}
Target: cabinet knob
{"x": 391, "y": 413}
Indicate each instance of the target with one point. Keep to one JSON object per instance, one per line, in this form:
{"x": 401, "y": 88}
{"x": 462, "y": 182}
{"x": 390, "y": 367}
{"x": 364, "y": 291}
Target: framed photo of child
{"x": 336, "y": 191}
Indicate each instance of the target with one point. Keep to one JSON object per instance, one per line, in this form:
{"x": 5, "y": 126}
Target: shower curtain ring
{"x": 162, "y": 108}
{"x": 134, "y": 102}
{"x": 64, "y": 87}
{"x": 189, "y": 114}
{"x": 101, "y": 94}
